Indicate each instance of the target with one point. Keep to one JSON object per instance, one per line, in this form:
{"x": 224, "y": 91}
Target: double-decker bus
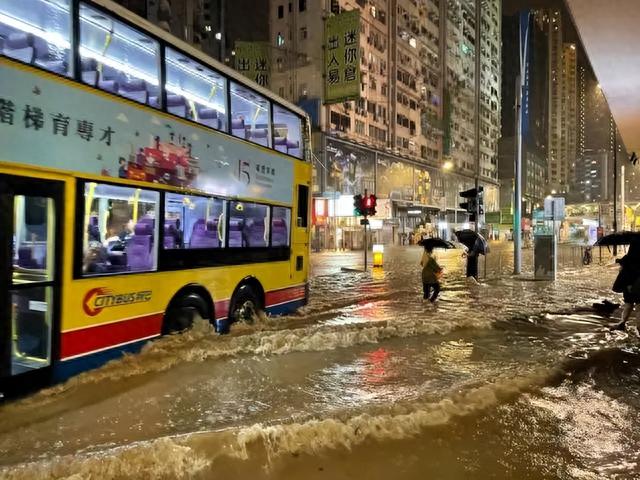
{"x": 141, "y": 184}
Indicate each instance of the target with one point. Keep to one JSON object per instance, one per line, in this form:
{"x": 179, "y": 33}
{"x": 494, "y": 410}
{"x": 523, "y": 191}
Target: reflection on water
{"x": 508, "y": 379}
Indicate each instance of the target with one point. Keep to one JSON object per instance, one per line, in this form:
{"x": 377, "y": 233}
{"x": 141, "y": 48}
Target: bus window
{"x": 119, "y": 229}
{"x": 33, "y": 239}
{"x": 37, "y": 32}
{"x": 248, "y": 225}
{"x": 280, "y": 226}
{"x": 118, "y": 58}
{"x": 193, "y": 222}
{"x": 303, "y": 206}
{"x": 286, "y": 131}
{"x": 195, "y": 91}
{"x": 250, "y": 115}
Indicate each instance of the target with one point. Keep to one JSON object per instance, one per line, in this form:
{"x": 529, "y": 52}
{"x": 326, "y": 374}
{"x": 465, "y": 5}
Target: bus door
{"x": 30, "y": 276}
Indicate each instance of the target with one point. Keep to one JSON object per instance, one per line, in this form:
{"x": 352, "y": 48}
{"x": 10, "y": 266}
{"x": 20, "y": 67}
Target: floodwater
{"x": 508, "y": 379}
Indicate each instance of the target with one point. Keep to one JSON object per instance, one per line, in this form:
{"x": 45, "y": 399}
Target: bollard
{"x": 378, "y": 253}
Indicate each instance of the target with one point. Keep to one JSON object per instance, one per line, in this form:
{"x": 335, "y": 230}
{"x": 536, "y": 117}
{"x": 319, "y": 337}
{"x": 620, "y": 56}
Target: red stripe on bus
{"x": 222, "y": 309}
{"x": 277, "y": 297}
{"x": 90, "y": 339}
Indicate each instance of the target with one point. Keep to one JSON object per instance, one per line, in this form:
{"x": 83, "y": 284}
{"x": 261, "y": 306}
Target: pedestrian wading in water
{"x": 431, "y": 273}
{"x": 628, "y": 282}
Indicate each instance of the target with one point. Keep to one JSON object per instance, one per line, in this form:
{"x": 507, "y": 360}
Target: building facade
{"x": 569, "y": 115}
{"x": 410, "y": 137}
{"x": 534, "y": 112}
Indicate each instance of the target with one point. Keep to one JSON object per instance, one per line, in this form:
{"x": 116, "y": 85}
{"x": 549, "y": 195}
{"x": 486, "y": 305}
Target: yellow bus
{"x": 141, "y": 184}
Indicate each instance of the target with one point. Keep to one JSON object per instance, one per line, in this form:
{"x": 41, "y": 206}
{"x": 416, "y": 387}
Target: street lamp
{"x": 448, "y": 165}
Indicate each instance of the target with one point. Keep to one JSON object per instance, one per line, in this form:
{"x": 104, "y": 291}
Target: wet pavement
{"x": 511, "y": 378}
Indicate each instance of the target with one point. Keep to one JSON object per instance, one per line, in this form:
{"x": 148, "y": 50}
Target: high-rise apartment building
{"x": 416, "y": 111}
{"x": 568, "y": 123}
{"x": 557, "y": 171}
{"x": 534, "y": 110}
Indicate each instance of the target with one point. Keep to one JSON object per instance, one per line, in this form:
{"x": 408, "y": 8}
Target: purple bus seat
{"x": 209, "y": 117}
{"x": 204, "y": 235}
{"x": 108, "y": 85}
{"x": 154, "y": 95}
{"x": 52, "y": 59}
{"x": 259, "y": 136}
{"x": 109, "y": 73}
{"x": 235, "y": 232}
{"x": 89, "y": 68}
{"x": 169, "y": 240}
{"x": 139, "y": 248}
{"x": 19, "y": 46}
{"x": 134, "y": 89}
{"x": 254, "y": 232}
{"x": 6, "y": 30}
{"x": 238, "y": 128}
{"x": 292, "y": 145}
{"x": 25, "y": 258}
{"x": 176, "y": 105}
{"x": 279, "y": 233}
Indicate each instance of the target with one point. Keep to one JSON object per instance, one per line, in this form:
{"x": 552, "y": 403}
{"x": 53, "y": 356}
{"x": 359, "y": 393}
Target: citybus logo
{"x": 97, "y": 299}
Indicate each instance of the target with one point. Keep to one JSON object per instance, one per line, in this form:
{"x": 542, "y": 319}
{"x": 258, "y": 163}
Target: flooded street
{"x": 508, "y": 379}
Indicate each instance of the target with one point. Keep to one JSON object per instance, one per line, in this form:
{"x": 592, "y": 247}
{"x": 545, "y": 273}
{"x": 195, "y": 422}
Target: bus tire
{"x": 182, "y": 311}
{"x": 246, "y": 303}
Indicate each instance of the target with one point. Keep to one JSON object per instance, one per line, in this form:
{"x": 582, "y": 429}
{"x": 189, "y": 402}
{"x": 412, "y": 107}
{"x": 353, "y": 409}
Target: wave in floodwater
{"x": 187, "y": 456}
{"x": 201, "y": 343}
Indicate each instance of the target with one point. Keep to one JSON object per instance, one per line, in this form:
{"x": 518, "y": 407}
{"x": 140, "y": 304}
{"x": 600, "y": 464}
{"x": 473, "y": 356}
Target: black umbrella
{"x": 473, "y": 241}
{"x": 431, "y": 243}
{"x": 618, "y": 238}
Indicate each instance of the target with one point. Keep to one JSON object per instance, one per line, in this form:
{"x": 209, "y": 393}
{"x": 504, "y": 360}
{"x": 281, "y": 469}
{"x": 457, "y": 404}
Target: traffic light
{"x": 472, "y": 198}
{"x": 370, "y": 202}
{"x": 358, "y": 208}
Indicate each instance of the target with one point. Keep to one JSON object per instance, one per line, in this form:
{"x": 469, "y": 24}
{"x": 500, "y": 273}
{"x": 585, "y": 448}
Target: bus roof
{"x": 194, "y": 52}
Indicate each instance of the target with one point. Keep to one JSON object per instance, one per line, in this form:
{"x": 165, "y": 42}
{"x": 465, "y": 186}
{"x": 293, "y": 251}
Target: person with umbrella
{"x": 628, "y": 281}
{"x": 476, "y": 246}
{"x": 431, "y": 271}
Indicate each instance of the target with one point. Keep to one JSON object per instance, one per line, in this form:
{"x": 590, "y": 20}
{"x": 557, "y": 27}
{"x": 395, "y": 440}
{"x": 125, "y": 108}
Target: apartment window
{"x": 303, "y": 33}
{"x": 302, "y": 5}
{"x": 280, "y": 11}
{"x": 290, "y": 7}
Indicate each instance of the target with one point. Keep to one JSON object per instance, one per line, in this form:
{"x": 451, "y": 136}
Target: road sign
{"x": 554, "y": 208}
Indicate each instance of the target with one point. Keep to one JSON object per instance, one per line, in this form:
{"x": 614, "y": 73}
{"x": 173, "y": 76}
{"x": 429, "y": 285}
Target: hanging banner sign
{"x": 253, "y": 60}
{"x": 342, "y": 57}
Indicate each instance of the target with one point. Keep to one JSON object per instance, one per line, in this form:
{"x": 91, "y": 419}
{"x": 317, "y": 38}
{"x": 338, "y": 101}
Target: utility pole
{"x": 478, "y": 51}
{"x": 223, "y": 31}
{"x": 615, "y": 185}
{"x": 523, "y": 40}
{"x": 517, "y": 190}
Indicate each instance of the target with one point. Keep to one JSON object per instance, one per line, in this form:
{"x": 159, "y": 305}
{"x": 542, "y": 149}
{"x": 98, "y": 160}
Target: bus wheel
{"x": 246, "y": 305}
{"x": 182, "y": 311}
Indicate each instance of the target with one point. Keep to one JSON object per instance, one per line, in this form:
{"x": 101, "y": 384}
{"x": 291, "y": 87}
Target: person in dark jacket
{"x": 628, "y": 282}
{"x": 430, "y": 275}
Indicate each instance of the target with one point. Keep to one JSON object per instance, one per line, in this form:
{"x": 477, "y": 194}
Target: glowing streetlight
{"x": 448, "y": 165}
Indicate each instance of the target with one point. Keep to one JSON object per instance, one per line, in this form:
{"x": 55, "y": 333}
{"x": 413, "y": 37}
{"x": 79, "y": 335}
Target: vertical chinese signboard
{"x": 253, "y": 60}
{"x": 342, "y": 57}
